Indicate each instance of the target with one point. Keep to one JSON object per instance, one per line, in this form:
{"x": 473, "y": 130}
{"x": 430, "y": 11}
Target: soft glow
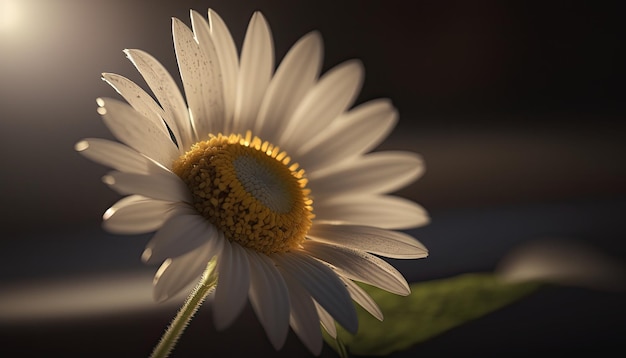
{"x": 78, "y": 298}
{"x": 10, "y": 16}
{"x": 564, "y": 262}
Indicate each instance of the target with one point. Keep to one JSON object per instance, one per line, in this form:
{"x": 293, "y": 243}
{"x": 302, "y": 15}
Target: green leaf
{"x": 433, "y": 307}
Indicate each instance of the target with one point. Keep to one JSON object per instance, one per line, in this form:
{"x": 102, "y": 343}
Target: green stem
{"x": 185, "y": 314}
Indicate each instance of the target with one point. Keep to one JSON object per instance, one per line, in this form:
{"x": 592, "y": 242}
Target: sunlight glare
{"x": 79, "y": 297}
{"x": 9, "y": 15}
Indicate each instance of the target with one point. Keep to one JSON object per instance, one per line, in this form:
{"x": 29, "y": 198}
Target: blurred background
{"x": 517, "y": 108}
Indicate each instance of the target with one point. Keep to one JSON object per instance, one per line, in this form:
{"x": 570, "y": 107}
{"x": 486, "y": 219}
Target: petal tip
{"x": 108, "y": 179}
{"x": 314, "y": 35}
{"x": 146, "y": 255}
{"x": 81, "y": 146}
{"x": 176, "y": 20}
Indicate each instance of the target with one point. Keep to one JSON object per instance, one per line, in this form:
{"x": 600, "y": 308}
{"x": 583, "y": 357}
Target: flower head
{"x": 267, "y": 171}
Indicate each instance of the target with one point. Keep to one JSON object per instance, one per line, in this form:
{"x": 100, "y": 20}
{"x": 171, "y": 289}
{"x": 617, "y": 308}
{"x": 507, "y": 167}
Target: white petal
{"x": 329, "y": 98}
{"x": 371, "y": 239}
{"x": 233, "y": 285}
{"x": 137, "y": 98}
{"x": 257, "y": 64}
{"x": 327, "y": 320}
{"x": 323, "y": 285}
{"x": 167, "y": 93}
{"x": 303, "y": 319}
{"x": 138, "y": 132}
{"x": 376, "y": 173}
{"x": 354, "y": 133}
{"x": 385, "y": 211}
{"x": 296, "y": 74}
{"x": 185, "y": 230}
{"x": 360, "y": 266}
{"x": 117, "y": 156}
{"x": 363, "y": 298}
{"x": 166, "y": 186}
{"x": 269, "y": 298}
{"x": 136, "y": 214}
{"x": 229, "y": 63}
{"x": 201, "y": 77}
{"x": 177, "y": 273}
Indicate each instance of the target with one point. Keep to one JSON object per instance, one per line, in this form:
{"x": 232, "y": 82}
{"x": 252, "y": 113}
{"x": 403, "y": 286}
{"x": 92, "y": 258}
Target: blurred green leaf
{"x": 432, "y": 308}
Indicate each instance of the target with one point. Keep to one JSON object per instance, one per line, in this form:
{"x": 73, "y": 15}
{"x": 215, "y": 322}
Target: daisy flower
{"x": 266, "y": 171}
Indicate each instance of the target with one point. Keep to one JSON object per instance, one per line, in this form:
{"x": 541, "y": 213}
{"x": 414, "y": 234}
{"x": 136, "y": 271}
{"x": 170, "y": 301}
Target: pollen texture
{"x": 249, "y": 190}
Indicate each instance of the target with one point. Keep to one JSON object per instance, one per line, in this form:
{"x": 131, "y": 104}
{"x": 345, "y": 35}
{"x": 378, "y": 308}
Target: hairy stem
{"x": 185, "y": 314}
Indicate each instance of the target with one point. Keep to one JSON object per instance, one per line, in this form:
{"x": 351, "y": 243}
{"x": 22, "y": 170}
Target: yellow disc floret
{"x": 249, "y": 190}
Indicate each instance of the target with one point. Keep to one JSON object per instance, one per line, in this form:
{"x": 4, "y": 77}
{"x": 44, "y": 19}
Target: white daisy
{"x": 214, "y": 173}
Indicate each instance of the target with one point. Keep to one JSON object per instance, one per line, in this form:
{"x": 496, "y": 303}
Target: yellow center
{"x": 249, "y": 190}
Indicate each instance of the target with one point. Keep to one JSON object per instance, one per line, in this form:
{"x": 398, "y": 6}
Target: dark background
{"x": 517, "y": 107}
